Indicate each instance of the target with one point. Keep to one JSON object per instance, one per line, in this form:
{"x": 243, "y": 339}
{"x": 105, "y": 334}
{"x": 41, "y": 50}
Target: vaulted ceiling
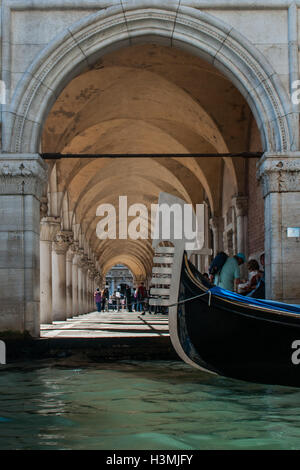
{"x": 138, "y": 100}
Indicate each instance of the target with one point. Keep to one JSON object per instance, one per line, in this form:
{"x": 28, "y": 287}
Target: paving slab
{"x": 98, "y": 337}
{"x": 108, "y": 325}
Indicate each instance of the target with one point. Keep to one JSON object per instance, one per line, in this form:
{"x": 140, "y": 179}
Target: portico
{"x": 142, "y": 78}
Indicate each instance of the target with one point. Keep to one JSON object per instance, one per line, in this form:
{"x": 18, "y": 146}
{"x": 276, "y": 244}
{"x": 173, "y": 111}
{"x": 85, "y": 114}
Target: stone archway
{"x": 184, "y": 27}
{"x": 76, "y": 50}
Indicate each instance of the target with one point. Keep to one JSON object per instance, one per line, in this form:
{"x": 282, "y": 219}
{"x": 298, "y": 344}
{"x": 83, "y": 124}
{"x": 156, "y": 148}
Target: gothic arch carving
{"x": 184, "y": 27}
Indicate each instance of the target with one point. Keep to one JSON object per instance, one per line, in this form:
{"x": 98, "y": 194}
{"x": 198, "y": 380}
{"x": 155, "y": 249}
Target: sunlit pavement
{"x": 110, "y": 324}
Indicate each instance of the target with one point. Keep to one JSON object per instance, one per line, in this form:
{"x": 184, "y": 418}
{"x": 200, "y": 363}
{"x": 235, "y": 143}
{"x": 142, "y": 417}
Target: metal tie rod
{"x": 59, "y": 156}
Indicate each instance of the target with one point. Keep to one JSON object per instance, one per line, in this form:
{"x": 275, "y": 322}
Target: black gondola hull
{"x": 233, "y": 339}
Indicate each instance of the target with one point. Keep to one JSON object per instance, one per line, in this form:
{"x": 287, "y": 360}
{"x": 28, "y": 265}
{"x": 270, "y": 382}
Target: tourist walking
{"x": 135, "y": 300}
{"x": 229, "y": 276}
{"x": 141, "y": 295}
{"x": 118, "y": 299}
{"x": 128, "y": 295}
{"x": 98, "y": 299}
{"x": 105, "y": 297}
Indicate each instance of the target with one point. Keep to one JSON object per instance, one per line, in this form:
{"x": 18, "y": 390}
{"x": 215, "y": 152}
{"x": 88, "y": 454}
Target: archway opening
{"x": 149, "y": 99}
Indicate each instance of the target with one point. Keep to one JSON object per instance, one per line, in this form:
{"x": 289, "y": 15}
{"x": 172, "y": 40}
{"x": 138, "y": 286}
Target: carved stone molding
{"x": 92, "y": 272}
{"x": 279, "y": 173}
{"x": 75, "y": 247}
{"x": 71, "y": 252}
{"x": 83, "y": 260}
{"x": 179, "y": 24}
{"x": 43, "y": 206}
{"x": 23, "y": 174}
{"x": 75, "y": 251}
{"x": 97, "y": 274}
{"x": 90, "y": 266}
{"x": 62, "y": 241}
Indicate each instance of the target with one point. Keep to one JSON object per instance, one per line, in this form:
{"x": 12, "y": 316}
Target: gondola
{"x": 232, "y": 335}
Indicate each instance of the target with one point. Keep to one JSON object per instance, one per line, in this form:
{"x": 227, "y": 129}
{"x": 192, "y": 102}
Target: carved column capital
{"x": 216, "y": 223}
{"x": 98, "y": 279}
{"x": 62, "y": 241}
{"x": 279, "y": 173}
{"x": 241, "y": 205}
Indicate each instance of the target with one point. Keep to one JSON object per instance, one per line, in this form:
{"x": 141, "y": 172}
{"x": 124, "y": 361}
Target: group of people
{"x": 128, "y": 299}
{"x": 224, "y": 272}
{"x": 227, "y": 274}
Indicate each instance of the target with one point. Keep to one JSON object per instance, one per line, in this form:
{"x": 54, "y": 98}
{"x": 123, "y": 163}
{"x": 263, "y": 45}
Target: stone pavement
{"x": 108, "y": 325}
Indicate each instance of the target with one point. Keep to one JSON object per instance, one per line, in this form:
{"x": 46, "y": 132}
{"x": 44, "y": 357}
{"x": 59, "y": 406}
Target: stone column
{"x": 97, "y": 283}
{"x": 217, "y": 226}
{"x": 87, "y": 296}
{"x": 82, "y": 268}
{"x": 49, "y": 227}
{"x": 94, "y": 275}
{"x": 280, "y": 178}
{"x": 241, "y": 209}
{"x": 69, "y": 280}
{"x": 86, "y": 279}
{"x": 80, "y": 288}
{"x": 88, "y": 286}
{"x": 90, "y": 289}
{"x": 59, "y": 248}
{"x": 90, "y": 278}
{"x": 93, "y": 288}
{"x": 89, "y": 292}
{"x": 23, "y": 180}
{"x": 75, "y": 301}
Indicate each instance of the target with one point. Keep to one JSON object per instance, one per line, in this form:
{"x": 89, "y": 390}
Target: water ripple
{"x": 142, "y": 405}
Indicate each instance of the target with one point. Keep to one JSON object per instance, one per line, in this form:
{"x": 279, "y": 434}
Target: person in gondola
{"x": 253, "y": 278}
{"x": 229, "y": 276}
{"x": 259, "y": 291}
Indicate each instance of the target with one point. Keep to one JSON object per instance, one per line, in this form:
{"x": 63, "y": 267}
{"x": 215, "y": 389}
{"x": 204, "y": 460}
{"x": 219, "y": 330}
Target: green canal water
{"x": 142, "y": 405}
